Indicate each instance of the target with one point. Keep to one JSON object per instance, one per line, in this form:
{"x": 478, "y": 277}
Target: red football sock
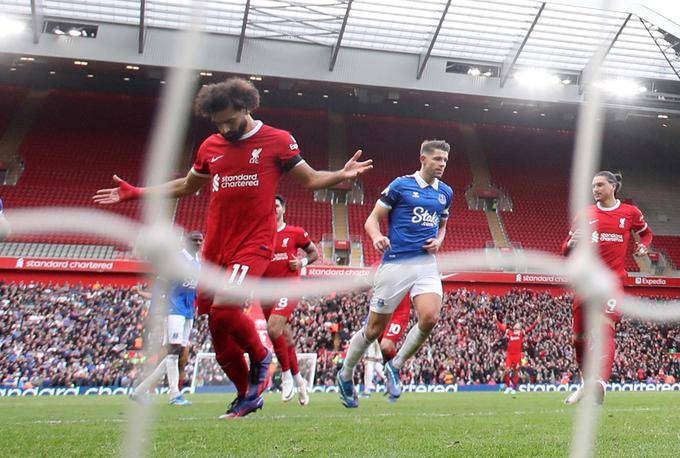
{"x": 507, "y": 379}
{"x": 292, "y": 359}
{"x": 230, "y": 358}
{"x": 388, "y": 355}
{"x": 578, "y": 350}
{"x": 238, "y": 325}
{"x": 281, "y": 349}
{"x": 515, "y": 380}
{"x": 610, "y": 352}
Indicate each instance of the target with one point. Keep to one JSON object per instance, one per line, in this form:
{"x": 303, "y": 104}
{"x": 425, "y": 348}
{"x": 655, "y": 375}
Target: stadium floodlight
{"x": 536, "y": 78}
{"x": 75, "y": 32}
{"x": 621, "y": 87}
{"x": 10, "y": 26}
{"x": 474, "y": 71}
{"x": 662, "y": 116}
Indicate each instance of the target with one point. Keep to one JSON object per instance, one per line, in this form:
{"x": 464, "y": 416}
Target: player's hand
{"x": 353, "y": 168}
{"x": 125, "y": 191}
{"x": 574, "y": 239}
{"x": 382, "y": 244}
{"x": 432, "y": 246}
{"x": 640, "y": 250}
{"x": 295, "y": 264}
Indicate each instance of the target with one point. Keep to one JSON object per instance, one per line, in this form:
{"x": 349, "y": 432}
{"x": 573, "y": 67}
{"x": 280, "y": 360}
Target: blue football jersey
{"x": 181, "y": 296}
{"x": 416, "y": 208}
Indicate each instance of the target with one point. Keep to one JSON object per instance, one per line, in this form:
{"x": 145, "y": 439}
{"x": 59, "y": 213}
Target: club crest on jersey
{"x": 284, "y": 243}
{"x": 416, "y": 194}
{"x": 622, "y": 223}
{"x": 442, "y": 199}
{"x": 255, "y": 159}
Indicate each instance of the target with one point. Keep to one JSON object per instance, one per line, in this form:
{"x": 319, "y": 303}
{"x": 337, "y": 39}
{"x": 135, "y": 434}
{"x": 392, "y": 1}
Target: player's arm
{"x": 641, "y": 233}
{"x": 501, "y": 327}
{"x": 145, "y": 294}
{"x": 532, "y": 327}
{"x": 312, "y": 255}
{"x": 181, "y": 187}
{"x": 433, "y": 245}
{"x": 372, "y": 226}
{"x": 319, "y": 179}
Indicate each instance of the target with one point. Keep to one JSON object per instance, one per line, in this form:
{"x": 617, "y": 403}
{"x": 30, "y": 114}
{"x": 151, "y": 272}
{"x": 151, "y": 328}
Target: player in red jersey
{"x": 287, "y": 264}
{"x": 395, "y": 329}
{"x": 611, "y": 224}
{"x": 243, "y": 164}
{"x": 515, "y": 352}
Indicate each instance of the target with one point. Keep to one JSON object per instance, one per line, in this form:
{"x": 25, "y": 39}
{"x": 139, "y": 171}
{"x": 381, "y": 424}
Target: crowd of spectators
{"x": 85, "y": 336}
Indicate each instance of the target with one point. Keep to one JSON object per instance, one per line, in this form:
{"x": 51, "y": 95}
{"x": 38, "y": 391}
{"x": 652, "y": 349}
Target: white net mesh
{"x": 157, "y": 240}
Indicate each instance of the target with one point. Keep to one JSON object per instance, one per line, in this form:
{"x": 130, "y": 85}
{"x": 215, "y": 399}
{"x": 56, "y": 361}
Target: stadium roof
{"x": 510, "y": 34}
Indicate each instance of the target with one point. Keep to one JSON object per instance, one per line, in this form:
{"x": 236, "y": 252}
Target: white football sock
{"x": 153, "y": 378}
{"x": 369, "y": 370}
{"x": 414, "y": 340}
{"x": 286, "y": 375}
{"x": 172, "y": 364}
{"x": 299, "y": 380}
{"x": 357, "y": 347}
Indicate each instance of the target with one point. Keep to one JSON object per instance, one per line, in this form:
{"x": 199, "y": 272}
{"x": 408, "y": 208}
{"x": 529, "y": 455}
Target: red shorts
{"x": 399, "y": 322}
{"x": 284, "y": 307}
{"x": 611, "y": 312}
{"x": 513, "y": 360}
{"x": 246, "y": 265}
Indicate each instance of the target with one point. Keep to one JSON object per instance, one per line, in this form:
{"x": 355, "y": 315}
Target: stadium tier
{"x": 10, "y": 100}
{"x": 671, "y": 245}
{"x": 76, "y": 143}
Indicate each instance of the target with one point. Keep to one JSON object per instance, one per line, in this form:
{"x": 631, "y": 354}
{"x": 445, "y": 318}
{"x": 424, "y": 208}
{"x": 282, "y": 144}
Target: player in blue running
{"x": 181, "y": 298}
{"x": 417, "y": 207}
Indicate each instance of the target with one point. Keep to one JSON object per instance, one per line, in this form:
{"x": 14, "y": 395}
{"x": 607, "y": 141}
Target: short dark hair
{"x": 428, "y": 146}
{"x": 195, "y": 235}
{"x": 281, "y": 199}
{"x": 234, "y": 93}
{"x": 615, "y": 178}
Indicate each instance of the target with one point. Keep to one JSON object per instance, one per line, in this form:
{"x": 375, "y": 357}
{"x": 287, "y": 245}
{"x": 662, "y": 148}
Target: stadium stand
{"x": 78, "y": 141}
{"x": 10, "y": 98}
{"x": 670, "y": 245}
{"x": 53, "y": 335}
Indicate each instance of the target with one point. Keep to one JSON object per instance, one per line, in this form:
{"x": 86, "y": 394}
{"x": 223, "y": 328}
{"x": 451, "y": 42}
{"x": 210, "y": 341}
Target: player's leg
{"x": 395, "y": 329}
{"x": 506, "y": 375}
{"x": 183, "y": 361}
{"x": 298, "y": 379}
{"x": 141, "y": 391}
{"x": 392, "y": 282}
{"x": 579, "y": 329}
{"x": 276, "y": 324}
{"x": 176, "y": 339}
{"x": 231, "y": 320}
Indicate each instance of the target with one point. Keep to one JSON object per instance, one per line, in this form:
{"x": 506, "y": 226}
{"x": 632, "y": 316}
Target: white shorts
{"x": 393, "y": 281}
{"x": 177, "y": 330}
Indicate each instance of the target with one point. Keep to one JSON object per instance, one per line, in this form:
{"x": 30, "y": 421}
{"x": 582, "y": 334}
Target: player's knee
{"x": 372, "y": 332}
{"x": 274, "y": 330}
{"x": 428, "y": 321}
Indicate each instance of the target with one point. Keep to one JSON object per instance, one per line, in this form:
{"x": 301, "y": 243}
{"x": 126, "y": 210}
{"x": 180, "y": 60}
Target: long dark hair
{"x": 614, "y": 178}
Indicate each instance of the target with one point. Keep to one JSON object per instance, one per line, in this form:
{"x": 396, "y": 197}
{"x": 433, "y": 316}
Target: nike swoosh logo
{"x": 593, "y": 221}
{"x": 217, "y": 158}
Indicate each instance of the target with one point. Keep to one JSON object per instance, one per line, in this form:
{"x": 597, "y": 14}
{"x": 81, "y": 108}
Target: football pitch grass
{"x": 459, "y": 424}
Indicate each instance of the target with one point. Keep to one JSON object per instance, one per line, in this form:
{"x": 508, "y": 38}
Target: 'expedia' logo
{"x": 234, "y": 181}
{"x": 650, "y": 281}
{"x": 424, "y": 217}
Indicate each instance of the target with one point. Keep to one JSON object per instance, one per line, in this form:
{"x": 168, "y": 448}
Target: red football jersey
{"x": 286, "y": 244}
{"x": 515, "y": 338}
{"x": 610, "y": 229}
{"x": 244, "y": 176}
